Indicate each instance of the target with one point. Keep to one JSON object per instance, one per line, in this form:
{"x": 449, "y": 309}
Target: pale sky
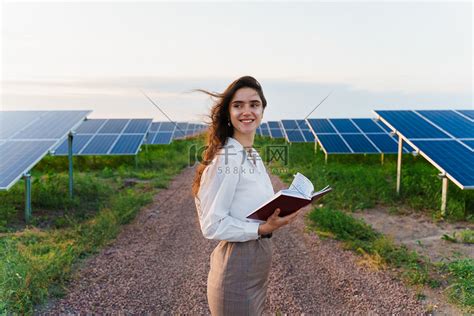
{"x": 92, "y": 55}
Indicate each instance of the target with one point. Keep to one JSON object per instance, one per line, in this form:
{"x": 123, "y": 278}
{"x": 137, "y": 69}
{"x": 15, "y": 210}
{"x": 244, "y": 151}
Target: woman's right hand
{"x": 274, "y": 222}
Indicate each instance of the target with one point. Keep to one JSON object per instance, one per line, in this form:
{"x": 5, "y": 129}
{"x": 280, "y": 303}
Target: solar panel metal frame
{"x": 411, "y": 142}
{"x": 118, "y": 136}
{"x": 83, "y": 115}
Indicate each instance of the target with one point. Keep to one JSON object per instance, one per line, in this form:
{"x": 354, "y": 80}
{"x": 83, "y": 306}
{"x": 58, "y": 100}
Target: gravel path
{"x": 159, "y": 264}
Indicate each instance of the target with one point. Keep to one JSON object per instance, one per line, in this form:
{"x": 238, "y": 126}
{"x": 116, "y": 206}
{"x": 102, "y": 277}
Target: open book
{"x": 299, "y": 194}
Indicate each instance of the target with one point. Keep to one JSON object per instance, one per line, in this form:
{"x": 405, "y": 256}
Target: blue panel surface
{"x": 359, "y": 143}
{"x": 11, "y": 122}
{"x": 321, "y": 126}
{"x": 264, "y": 129}
{"x": 138, "y": 126}
{"x": 115, "y": 126}
{"x": 77, "y": 143}
{"x": 90, "y": 126}
{"x": 333, "y": 144}
{"x": 127, "y": 144}
{"x": 368, "y": 126}
{"x": 295, "y": 136}
{"x": 149, "y": 137}
{"x": 18, "y": 157}
{"x": 469, "y": 143}
{"x": 344, "y": 126}
{"x": 289, "y": 124}
{"x": 409, "y": 124}
{"x": 451, "y": 122}
{"x": 163, "y": 138}
{"x": 468, "y": 113}
{"x": 302, "y": 125}
{"x": 51, "y": 125}
{"x": 451, "y": 156}
{"x": 384, "y": 142}
{"x": 276, "y": 133}
{"x": 99, "y": 145}
{"x": 308, "y": 135}
{"x": 273, "y": 124}
{"x": 167, "y": 127}
{"x": 155, "y": 126}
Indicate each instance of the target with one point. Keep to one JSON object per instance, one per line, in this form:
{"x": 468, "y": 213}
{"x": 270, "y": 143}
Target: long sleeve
{"x": 218, "y": 187}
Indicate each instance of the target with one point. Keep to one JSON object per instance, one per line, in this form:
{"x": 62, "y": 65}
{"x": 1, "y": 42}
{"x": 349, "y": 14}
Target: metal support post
{"x": 399, "y": 163}
{"x": 381, "y": 158}
{"x": 71, "y": 175}
{"x": 444, "y": 194}
{"x": 27, "y": 177}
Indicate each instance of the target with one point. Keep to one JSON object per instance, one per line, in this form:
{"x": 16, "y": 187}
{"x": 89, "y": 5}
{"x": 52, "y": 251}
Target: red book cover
{"x": 288, "y": 202}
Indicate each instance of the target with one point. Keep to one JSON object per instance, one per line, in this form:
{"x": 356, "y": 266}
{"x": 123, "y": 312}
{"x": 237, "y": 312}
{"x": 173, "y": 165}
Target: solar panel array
{"x": 353, "y": 136}
{"x": 107, "y": 137}
{"x": 27, "y": 136}
{"x": 443, "y": 137}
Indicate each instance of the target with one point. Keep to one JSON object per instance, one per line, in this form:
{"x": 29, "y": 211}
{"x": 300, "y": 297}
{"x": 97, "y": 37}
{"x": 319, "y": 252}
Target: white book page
{"x": 302, "y": 185}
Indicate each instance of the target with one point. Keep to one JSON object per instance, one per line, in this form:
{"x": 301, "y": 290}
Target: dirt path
{"x": 159, "y": 264}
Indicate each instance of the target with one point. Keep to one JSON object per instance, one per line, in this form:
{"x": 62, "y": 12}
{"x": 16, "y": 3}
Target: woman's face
{"x": 246, "y": 111}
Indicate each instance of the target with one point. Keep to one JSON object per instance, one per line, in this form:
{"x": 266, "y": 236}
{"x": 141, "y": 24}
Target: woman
{"x": 230, "y": 183}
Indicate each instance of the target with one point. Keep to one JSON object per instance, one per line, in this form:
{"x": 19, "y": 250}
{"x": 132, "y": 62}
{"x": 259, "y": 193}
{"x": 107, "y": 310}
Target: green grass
{"x": 36, "y": 259}
{"x": 461, "y": 289}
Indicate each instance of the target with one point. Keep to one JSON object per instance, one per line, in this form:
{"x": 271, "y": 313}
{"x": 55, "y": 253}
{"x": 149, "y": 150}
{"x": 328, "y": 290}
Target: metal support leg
{"x": 444, "y": 194}
{"x": 325, "y": 158}
{"x": 27, "y": 177}
{"x": 71, "y": 175}
{"x": 136, "y": 161}
{"x": 381, "y": 159}
{"x": 399, "y": 163}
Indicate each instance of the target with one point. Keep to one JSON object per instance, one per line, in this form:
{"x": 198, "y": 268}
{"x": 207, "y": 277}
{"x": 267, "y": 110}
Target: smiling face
{"x": 245, "y": 111}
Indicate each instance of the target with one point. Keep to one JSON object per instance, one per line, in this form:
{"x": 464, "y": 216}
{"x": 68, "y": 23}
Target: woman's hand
{"x": 274, "y": 222}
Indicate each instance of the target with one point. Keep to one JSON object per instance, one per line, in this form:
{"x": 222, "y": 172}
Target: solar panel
{"x": 451, "y": 157}
{"x": 467, "y": 113}
{"x": 162, "y": 138}
{"x": 344, "y": 126}
{"x": 360, "y": 144}
{"x": 27, "y": 136}
{"x": 412, "y": 125}
{"x": 451, "y": 123}
{"x": 469, "y": 143}
{"x": 353, "y": 136}
{"x": 443, "y": 137}
{"x": 275, "y": 129}
{"x": 107, "y": 137}
{"x": 264, "y": 128}
{"x": 114, "y": 126}
{"x": 127, "y": 144}
{"x": 167, "y": 127}
{"x": 155, "y": 126}
{"x": 182, "y": 130}
{"x": 334, "y": 144}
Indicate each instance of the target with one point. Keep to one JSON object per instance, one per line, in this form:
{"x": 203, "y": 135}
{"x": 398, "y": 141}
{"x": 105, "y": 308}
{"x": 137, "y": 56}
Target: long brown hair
{"x": 219, "y": 128}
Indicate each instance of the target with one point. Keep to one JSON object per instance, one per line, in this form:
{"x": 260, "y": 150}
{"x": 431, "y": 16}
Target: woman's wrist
{"x": 264, "y": 229}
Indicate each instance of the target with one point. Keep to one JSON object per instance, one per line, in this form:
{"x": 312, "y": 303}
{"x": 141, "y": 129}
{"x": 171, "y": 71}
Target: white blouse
{"x": 232, "y": 186}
